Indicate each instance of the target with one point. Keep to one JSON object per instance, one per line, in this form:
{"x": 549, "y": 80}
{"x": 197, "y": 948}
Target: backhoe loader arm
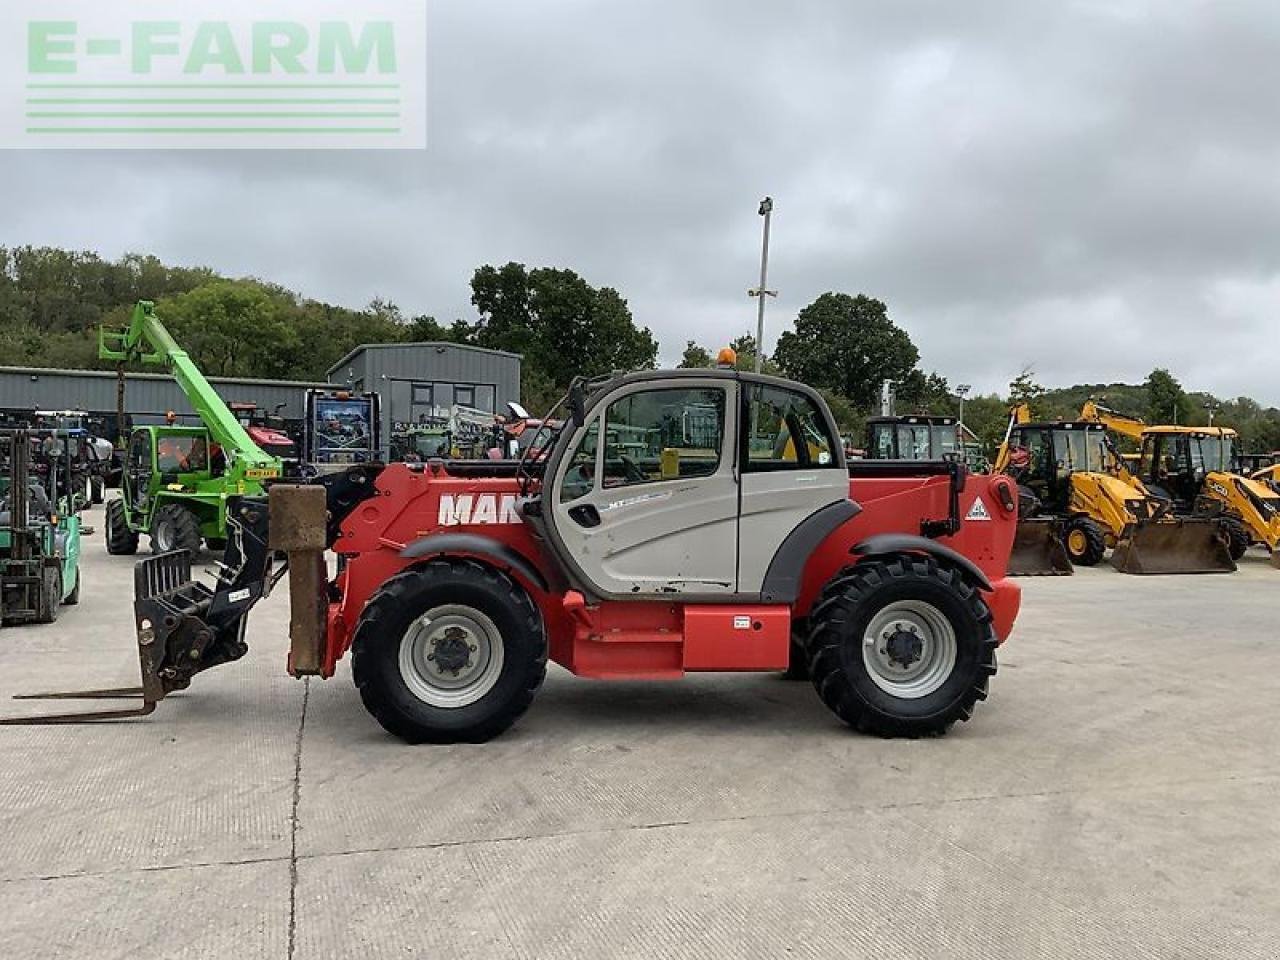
{"x": 1123, "y": 424}
{"x": 148, "y": 341}
{"x": 1017, "y": 415}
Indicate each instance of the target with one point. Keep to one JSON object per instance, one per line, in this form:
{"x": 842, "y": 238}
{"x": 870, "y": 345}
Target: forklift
{"x": 39, "y": 528}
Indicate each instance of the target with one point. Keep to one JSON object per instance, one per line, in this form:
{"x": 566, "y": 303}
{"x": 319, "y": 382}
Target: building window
{"x": 423, "y": 394}
{"x": 464, "y": 395}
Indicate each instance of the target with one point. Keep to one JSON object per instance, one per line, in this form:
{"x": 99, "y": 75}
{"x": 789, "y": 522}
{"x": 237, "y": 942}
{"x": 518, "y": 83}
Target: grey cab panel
{"x": 689, "y": 485}
{"x": 646, "y": 501}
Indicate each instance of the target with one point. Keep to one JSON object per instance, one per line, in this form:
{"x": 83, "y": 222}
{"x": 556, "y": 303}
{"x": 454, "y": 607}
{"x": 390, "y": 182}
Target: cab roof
{"x": 1075, "y": 425}
{"x": 1202, "y": 431}
{"x": 933, "y": 420}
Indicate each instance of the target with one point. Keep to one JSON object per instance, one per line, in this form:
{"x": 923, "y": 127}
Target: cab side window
{"x": 580, "y": 474}
{"x": 785, "y": 430}
{"x": 665, "y": 434}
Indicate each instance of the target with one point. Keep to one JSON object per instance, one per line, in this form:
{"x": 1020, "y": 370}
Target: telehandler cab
{"x": 691, "y": 520}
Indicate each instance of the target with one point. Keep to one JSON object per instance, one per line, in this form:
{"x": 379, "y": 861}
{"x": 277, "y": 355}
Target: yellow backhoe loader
{"x": 1194, "y": 469}
{"x": 1075, "y": 485}
{"x": 1268, "y": 475}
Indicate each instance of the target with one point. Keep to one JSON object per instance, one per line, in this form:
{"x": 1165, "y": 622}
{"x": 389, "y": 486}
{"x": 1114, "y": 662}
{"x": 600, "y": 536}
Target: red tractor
{"x": 690, "y": 520}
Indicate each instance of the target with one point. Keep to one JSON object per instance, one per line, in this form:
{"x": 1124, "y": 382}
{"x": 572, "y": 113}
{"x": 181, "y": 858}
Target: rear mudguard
{"x": 887, "y": 543}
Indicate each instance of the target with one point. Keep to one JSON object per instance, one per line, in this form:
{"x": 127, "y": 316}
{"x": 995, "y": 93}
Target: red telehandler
{"x": 690, "y": 520}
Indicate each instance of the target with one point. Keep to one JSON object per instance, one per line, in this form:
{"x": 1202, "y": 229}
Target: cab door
{"x": 139, "y": 463}
{"x": 645, "y": 503}
{"x": 791, "y": 468}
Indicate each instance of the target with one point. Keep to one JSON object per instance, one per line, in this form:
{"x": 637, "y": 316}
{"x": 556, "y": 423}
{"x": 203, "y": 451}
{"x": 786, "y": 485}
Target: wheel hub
{"x": 451, "y": 656}
{"x": 451, "y": 650}
{"x": 909, "y": 649}
{"x": 903, "y": 646}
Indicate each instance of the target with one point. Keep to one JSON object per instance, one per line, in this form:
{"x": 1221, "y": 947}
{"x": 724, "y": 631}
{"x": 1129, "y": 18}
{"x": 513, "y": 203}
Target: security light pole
{"x": 762, "y": 291}
{"x": 962, "y": 391}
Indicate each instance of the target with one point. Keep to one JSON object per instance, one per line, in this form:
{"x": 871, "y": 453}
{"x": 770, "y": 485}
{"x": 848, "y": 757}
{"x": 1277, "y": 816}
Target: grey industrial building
{"x": 148, "y": 396}
{"x": 420, "y": 380}
{"x": 412, "y": 379}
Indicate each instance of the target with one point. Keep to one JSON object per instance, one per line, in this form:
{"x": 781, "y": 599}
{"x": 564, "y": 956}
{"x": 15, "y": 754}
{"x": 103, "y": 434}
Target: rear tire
{"x": 1237, "y": 536}
{"x": 901, "y": 647}
{"x": 121, "y": 541}
{"x": 1085, "y": 541}
{"x": 174, "y": 527}
{"x": 490, "y": 641}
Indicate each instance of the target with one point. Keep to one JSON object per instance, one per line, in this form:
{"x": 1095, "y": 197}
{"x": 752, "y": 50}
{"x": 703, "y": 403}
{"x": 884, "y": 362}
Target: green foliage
{"x": 847, "y": 344}
{"x": 987, "y": 416}
{"x": 695, "y": 357}
{"x": 851, "y": 421}
{"x": 562, "y": 325}
{"x": 1024, "y": 389}
{"x": 1167, "y": 402}
{"x": 919, "y": 392}
{"x": 53, "y": 301}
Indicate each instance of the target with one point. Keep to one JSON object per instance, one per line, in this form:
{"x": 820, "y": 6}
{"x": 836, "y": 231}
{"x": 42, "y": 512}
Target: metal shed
{"x": 148, "y": 396}
{"x": 416, "y": 380}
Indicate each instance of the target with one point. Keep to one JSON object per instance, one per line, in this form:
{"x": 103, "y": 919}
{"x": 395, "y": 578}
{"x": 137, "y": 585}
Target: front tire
{"x": 97, "y": 489}
{"x": 74, "y": 596}
{"x": 1085, "y": 541}
{"x": 1237, "y": 536}
{"x": 121, "y": 541}
{"x": 50, "y": 595}
{"x": 449, "y": 652}
{"x": 174, "y": 527}
{"x": 901, "y": 646}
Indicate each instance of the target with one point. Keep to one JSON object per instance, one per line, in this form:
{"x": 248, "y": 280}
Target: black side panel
{"x": 477, "y": 546}
{"x": 786, "y": 569}
{"x": 907, "y": 543}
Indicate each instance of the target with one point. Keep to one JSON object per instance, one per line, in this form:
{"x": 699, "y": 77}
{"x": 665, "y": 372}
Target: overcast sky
{"x": 1085, "y": 188}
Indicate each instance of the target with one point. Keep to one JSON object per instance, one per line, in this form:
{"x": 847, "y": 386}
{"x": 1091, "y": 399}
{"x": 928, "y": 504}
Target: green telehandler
{"x": 39, "y": 527}
{"x": 177, "y": 479}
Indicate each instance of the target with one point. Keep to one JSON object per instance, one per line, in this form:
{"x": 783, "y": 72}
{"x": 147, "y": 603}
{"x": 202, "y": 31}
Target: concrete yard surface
{"x": 1115, "y": 797}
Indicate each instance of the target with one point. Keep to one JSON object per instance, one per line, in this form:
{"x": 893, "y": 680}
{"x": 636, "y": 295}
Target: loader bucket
{"x": 1038, "y": 550}
{"x": 1182, "y": 545}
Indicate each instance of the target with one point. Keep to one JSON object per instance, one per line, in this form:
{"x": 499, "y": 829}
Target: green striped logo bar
{"x": 213, "y": 74}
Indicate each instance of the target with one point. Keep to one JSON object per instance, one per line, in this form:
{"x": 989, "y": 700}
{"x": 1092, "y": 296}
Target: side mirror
{"x": 577, "y": 403}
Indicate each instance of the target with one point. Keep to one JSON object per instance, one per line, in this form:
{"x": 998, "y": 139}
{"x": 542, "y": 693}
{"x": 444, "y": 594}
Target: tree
{"x": 1166, "y": 400}
{"x": 1024, "y": 389}
{"x": 987, "y": 416}
{"x": 847, "y": 344}
{"x": 234, "y": 328}
{"x": 924, "y": 393}
{"x": 695, "y": 357}
{"x": 562, "y": 325}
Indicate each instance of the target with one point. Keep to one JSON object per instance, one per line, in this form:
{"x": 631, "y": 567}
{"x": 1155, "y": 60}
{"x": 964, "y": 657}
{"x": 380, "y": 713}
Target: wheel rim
{"x": 451, "y": 656}
{"x": 1077, "y": 542}
{"x": 909, "y": 649}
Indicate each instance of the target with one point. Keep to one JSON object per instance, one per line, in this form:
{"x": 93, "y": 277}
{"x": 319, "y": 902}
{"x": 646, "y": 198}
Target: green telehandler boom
{"x": 176, "y": 478}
